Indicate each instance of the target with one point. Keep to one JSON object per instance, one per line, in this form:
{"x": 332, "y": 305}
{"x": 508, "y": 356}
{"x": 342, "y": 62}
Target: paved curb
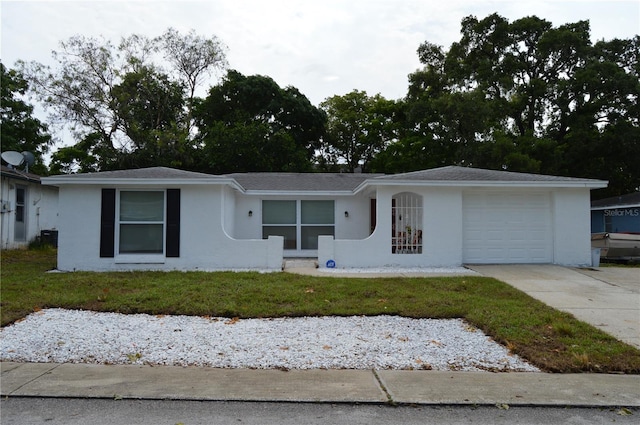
{"x": 518, "y": 388}
{"x": 318, "y": 386}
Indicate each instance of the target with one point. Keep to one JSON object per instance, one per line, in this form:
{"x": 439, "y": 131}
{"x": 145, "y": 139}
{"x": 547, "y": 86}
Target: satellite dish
{"x": 29, "y": 158}
{"x": 13, "y": 158}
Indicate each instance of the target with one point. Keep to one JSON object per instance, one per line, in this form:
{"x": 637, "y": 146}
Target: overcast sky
{"x": 323, "y": 48}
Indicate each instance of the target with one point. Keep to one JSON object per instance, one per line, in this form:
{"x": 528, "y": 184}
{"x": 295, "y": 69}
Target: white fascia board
{"x": 595, "y": 184}
{"x": 299, "y": 193}
{"x": 63, "y": 181}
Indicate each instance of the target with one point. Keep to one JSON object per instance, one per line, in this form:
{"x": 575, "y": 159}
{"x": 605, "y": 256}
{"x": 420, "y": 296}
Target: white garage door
{"x": 501, "y": 227}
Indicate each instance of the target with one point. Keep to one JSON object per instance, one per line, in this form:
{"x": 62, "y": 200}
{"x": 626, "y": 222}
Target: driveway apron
{"x": 607, "y": 298}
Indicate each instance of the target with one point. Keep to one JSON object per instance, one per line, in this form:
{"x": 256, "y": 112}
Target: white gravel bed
{"x": 357, "y": 342}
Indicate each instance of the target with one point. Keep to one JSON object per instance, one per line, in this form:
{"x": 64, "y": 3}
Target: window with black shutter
{"x": 140, "y": 222}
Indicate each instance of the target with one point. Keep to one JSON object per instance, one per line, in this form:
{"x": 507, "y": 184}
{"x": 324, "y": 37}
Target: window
{"x": 317, "y": 218}
{"x": 279, "y": 219}
{"x": 20, "y": 226}
{"x": 406, "y": 223}
{"x": 141, "y": 222}
{"x": 136, "y": 223}
{"x": 20, "y": 196}
{"x": 299, "y": 222}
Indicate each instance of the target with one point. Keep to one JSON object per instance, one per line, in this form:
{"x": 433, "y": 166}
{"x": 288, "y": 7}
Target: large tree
{"x": 150, "y": 111}
{"x": 107, "y": 93}
{"x": 358, "y": 128}
{"x": 193, "y": 56}
{"x": 601, "y": 133}
{"x": 249, "y": 123}
{"x": 19, "y": 130}
{"x": 526, "y": 96}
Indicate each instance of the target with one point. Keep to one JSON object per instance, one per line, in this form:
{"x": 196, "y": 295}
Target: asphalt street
{"x": 61, "y": 411}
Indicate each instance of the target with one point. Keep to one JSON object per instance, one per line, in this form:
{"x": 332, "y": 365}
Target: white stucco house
{"x": 26, "y": 208}
{"x": 163, "y": 218}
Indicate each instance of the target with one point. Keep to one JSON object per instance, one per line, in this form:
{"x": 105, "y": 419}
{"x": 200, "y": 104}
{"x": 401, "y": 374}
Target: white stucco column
{"x": 572, "y": 227}
{"x": 326, "y": 250}
{"x": 275, "y": 252}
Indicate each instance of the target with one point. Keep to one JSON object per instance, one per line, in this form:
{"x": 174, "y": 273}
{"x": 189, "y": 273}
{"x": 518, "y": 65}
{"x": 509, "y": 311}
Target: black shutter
{"x": 107, "y": 223}
{"x": 173, "y": 223}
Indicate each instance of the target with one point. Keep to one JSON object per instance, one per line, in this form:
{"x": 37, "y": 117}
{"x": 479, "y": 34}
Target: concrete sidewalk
{"x": 607, "y": 298}
{"x": 334, "y": 386}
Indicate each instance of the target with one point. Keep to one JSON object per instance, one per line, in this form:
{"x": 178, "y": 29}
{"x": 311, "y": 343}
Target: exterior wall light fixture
{"x": 250, "y": 213}
{"x": 346, "y": 214}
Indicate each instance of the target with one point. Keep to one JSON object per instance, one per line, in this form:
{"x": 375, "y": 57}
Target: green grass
{"x": 630, "y": 264}
{"x": 550, "y": 339}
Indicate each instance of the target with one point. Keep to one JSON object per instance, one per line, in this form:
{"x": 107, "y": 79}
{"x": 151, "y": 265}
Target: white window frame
{"x": 299, "y": 225}
{"x": 135, "y": 258}
{"x": 302, "y": 225}
{"x": 281, "y": 225}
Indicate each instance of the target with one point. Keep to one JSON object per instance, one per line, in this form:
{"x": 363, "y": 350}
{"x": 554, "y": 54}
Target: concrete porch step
{"x": 300, "y": 263}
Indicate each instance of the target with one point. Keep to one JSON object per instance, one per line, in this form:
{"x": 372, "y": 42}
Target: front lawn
{"x": 550, "y": 339}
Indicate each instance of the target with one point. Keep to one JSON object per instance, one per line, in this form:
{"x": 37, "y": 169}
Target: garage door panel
{"x": 517, "y": 255}
{"x": 538, "y": 253}
{"x": 517, "y": 235}
{"x": 538, "y": 236}
{"x": 503, "y": 227}
{"x": 494, "y": 254}
{"x": 495, "y": 235}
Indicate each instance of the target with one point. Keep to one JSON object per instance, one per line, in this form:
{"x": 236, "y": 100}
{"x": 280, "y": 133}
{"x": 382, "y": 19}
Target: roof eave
{"x": 66, "y": 181}
{"x": 21, "y": 177}
{"x": 299, "y": 192}
{"x": 615, "y": 207}
{"x": 591, "y": 184}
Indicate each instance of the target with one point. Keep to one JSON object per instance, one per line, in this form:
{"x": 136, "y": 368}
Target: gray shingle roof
{"x": 141, "y": 173}
{"x": 300, "y": 181}
{"x": 453, "y": 173}
{"x": 622, "y": 200}
{"x": 19, "y": 175}
{"x": 317, "y": 182}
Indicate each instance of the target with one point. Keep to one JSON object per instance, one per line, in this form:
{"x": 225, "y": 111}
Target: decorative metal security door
{"x": 406, "y": 223}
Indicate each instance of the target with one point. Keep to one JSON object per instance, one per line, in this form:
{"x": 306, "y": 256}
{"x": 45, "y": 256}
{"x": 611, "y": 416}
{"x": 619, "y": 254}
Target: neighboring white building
{"x": 162, "y": 218}
{"x": 26, "y": 208}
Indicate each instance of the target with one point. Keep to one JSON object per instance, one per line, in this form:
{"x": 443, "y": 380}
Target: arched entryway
{"x": 406, "y": 223}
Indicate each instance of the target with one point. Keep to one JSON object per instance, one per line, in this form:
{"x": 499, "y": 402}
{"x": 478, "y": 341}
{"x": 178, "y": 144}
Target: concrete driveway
{"x": 607, "y": 298}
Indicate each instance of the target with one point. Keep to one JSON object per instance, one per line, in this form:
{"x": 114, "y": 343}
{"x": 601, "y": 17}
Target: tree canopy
{"x": 249, "y": 123}
{"x": 524, "y": 96}
{"x": 520, "y": 95}
{"x": 123, "y": 105}
{"x": 358, "y": 128}
{"x": 20, "y": 130}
